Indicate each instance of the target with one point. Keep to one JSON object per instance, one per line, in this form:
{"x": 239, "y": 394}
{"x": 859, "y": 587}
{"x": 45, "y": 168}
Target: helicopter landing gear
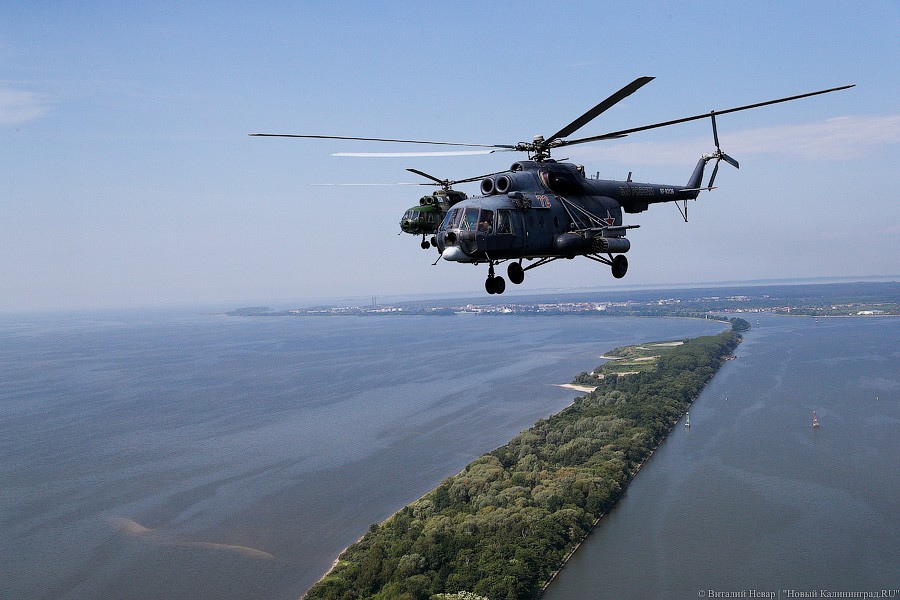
{"x": 494, "y": 284}
{"x": 425, "y": 244}
{"x": 516, "y": 272}
{"x": 619, "y": 266}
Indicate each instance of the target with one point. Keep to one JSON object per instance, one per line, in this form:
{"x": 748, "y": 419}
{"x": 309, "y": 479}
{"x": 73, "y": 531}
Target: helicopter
{"x": 425, "y": 218}
{"x": 543, "y": 210}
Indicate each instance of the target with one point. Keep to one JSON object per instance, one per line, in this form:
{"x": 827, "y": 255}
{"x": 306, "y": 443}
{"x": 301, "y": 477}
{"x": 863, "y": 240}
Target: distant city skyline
{"x": 130, "y": 179}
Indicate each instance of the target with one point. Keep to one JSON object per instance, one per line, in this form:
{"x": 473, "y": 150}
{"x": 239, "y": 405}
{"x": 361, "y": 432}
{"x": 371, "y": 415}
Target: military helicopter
{"x": 425, "y": 218}
{"x": 542, "y": 210}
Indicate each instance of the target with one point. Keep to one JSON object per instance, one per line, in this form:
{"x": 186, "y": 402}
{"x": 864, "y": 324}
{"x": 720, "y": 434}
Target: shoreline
{"x": 334, "y": 563}
{"x": 596, "y": 522}
{"x": 574, "y": 386}
{"x": 396, "y": 536}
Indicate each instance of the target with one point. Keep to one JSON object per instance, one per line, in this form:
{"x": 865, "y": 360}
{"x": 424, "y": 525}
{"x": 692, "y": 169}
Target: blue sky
{"x": 129, "y": 179}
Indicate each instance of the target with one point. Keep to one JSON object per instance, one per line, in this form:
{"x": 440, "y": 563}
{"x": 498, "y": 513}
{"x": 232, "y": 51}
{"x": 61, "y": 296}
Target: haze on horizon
{"x": 130, "y": 179}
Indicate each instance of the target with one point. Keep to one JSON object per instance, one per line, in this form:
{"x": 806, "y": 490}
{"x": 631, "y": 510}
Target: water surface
{"x": 175, "y": 455}
{"x": 752, "y": 497}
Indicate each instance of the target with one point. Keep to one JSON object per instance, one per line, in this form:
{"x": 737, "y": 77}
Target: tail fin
{"x": 696, "y": 180}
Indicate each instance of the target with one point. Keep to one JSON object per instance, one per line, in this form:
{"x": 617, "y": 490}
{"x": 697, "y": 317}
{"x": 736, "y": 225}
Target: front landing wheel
{"x": 619, "y": 266}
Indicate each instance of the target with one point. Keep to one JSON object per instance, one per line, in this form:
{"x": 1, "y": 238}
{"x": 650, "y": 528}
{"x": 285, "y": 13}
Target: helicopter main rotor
{"x": 540, "y": 147}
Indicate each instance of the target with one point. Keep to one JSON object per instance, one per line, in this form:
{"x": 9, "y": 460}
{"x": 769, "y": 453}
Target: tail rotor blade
{"x": 715, "y": 131}
{"x": 730, "y": 161}
{"x": 712, "y": 177}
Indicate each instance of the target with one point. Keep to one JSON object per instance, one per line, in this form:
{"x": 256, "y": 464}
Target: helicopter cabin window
{"x": 504, "y": 222}
{"x": 430, "y": 217}
{"x": 486, "y": 221}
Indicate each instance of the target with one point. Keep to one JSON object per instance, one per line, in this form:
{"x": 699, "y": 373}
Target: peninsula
{"x": 504, "y": 525}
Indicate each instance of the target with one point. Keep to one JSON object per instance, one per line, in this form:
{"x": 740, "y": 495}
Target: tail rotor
{"x": 718, "y": 155}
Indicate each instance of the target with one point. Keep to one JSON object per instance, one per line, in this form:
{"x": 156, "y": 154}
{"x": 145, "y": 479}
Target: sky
{"x": 128, "y": 178}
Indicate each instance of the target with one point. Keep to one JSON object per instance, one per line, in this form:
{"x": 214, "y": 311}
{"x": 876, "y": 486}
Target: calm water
{"x": 163, "y": 455}
{"x": 751, "y": 497}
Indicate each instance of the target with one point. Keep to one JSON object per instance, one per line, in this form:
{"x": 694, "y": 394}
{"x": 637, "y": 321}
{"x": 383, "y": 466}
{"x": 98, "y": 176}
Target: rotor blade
{"x": 426, "y": 176}
{"x": 471, "y": 179}
{"x": 703, "y": 116}
{"x": 451, "y": 181}
{"x": 362, "y": 184}
{"x": 730, "y": 161}
{"x": 414, "y": 154}
{"x": 715, "y": 131}
{"x": 713, "y": 176}
{"x": 597, "y": 110}
{"x": 368, "y": 139}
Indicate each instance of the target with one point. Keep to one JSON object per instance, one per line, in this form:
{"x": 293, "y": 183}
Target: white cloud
{"x": 833, "y": 139}
{"x": 17, "y": 106}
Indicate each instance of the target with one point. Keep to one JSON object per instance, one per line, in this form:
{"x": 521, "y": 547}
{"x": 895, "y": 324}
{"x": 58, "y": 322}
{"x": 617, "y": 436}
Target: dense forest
{"x": 501, "y": 528}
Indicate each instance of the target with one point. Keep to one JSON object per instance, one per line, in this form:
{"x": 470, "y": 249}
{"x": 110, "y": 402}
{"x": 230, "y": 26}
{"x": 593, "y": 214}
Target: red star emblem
{"x": 610, "y": 220}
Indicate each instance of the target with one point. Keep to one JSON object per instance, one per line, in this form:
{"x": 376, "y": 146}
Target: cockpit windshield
{"x": 469, "y": 219}
{"x": 451, "y": 219}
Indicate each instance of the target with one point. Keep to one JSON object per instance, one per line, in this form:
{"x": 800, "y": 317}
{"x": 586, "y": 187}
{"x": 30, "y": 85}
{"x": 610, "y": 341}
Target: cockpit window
{"x": 470, "y": 220}
{"x": 451, "y": 219}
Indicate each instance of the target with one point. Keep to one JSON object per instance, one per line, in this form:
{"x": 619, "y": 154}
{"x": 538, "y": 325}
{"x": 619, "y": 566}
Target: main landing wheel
{"x": 619, "y": 266}
{"x": 516, "y": 273}
{"x": 495, "y": 285}
{"x": 425, "y": 245}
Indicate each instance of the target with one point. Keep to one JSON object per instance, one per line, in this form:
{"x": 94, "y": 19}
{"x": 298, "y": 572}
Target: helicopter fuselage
{"x": 548, "y": 210}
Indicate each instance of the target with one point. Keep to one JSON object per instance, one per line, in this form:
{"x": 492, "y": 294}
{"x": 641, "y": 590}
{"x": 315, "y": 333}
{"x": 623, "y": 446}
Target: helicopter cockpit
{"x": 419, "y": 219}
{"x": 469, "y": 219}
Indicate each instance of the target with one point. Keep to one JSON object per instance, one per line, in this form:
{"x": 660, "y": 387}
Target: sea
{"x": 752, "y": 500}
{"x": 189, "y": 454}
